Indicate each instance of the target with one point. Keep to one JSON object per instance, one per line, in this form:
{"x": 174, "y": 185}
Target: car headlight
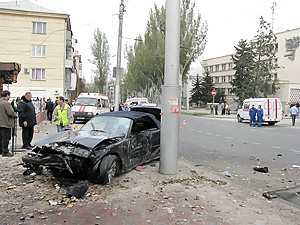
{"x": 90, "y": 113}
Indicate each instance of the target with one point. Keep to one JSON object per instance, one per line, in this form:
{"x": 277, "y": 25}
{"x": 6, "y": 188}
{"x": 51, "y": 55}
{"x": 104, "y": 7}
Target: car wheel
{"x": 239, "y": 119}
{"x": 109, "y": 167}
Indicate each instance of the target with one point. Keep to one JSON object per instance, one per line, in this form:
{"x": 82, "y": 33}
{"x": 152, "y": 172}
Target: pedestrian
{"x": 252, "y": 114}
{"x": 126, "y": 107}
{"x": 216, "y": 109}
{"x": 223, "y": 108}
{"x": 7, "y": 116}
{"x": 49, "y": 108}
{"x": 62, "y": 114}
{"x": 260, "y": 113}
{"x": 27, "y": 119}
{"x": 212, "y": 109}
{"x": 294, "y": 113}
{"x": 228, "y": 109}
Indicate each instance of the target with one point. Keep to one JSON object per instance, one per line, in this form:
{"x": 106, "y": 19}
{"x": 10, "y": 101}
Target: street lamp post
{"x": 171, "y": 91}
{"x": 119, "y": 52}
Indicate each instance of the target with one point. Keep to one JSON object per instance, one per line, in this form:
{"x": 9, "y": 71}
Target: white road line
{"x": 256, "y": 143}
{"x": 297, "y": 151}
{"x": 217, "y": 135}
{"x": 240, "y": 140}
{"x": 229, "y": 138}
{"x": 275, "y": 147}
{"x": 208, "y": 133}
{"x": 200, "y": 131}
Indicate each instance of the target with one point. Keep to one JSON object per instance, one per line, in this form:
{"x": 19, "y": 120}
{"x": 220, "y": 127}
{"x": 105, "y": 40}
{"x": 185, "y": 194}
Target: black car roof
{"x": 132, "y": 115}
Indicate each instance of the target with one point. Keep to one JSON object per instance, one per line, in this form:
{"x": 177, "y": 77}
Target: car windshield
{"x": 86, "y": 101}
{"x": 115, "y": 126}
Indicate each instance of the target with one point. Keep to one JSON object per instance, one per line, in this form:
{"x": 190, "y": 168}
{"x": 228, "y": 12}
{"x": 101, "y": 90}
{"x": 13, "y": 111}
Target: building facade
{"x": 288, "y": 72}
{"x": 41, "y": 41}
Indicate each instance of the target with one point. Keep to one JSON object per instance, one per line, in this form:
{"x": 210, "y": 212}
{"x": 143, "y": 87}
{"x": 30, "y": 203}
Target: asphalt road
{"x": 230, "y": 148}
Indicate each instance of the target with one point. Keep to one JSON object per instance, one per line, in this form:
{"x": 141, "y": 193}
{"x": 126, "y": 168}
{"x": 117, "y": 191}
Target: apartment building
{"x": 41, "y": 41}
{"x": 288, "y": 73}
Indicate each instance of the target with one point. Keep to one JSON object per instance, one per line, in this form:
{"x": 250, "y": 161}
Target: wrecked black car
{"x": 107, "y": 145}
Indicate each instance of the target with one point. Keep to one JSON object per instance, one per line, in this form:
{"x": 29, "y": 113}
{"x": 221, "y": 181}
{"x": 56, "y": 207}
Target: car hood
{"x": 87, "y": 139}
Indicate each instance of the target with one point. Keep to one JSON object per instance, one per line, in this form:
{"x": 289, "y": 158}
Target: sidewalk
{"x": 192, "y": 196}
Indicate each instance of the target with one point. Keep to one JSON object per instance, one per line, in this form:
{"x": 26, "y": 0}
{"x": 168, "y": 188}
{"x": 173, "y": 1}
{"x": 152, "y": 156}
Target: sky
{"x": 228, "y": 22}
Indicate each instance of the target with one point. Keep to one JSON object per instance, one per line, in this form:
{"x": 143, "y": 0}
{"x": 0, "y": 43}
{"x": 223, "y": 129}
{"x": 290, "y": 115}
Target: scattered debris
{"x": 268, "y": 185}
{"x": 11, "y": 187}
{"x": 261, "y": 169}
{"x": 226, "y": 174}
{"x": 77, "y": 190}
{"x": 270, "y": 195}
{"x": 143, "y": 173}
{"x": 53, "y": 203}
{"x": 153, "y": 165}
{"x": 279, "y": 154}
{"x": 139, "y": 168}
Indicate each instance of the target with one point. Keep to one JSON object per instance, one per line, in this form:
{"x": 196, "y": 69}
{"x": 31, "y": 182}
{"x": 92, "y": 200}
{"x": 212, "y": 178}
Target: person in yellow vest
{"x": 62, "y": 114}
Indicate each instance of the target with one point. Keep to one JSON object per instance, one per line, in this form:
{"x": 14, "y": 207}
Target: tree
{"x": 265, "y": 49}
{"x": 196, "y": 92}
{"x": 255, "y": 62}
{"x": 100, "y": 52}
{"x": 220, "y": 96}
{"x": 146, "y": 59}
{"x": 206, "y": 87}
{"x": 243, "y": 60}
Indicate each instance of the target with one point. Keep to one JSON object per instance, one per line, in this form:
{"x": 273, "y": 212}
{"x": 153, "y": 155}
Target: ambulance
{"x": 88, "y": 105}
{"x": 272, "y": 109}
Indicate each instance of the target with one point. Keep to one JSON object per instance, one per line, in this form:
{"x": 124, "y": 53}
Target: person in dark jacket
{"x": 252, "y": 115}
{"x": 49, "y": 107}
{"x": 7, "y": 116}
{"x": 27, "y": 119}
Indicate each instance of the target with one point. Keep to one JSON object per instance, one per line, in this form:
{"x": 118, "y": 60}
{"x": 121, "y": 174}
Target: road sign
{"x": 213, "y": 92}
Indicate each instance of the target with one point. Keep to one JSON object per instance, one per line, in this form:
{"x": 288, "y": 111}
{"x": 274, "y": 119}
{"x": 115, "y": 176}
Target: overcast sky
{"x": 228, "y": 21}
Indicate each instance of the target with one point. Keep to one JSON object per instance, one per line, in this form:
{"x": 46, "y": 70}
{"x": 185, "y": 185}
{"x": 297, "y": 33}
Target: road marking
{"x": 229, "y": 138}
{"x": 217, "y": 135}
{"x": 275, "y": 147}
{"x": 208, "y": 133}
{"x": 297, "y": 151}
{"x": 256, "y": 143}
{"x": 243, "y": 141}
{"x": 200, "y": 131}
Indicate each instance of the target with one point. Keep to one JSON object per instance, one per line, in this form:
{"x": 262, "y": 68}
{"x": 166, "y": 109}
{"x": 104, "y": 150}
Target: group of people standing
{"x": 25, "y": 110}
{"x": 253, "y": 113}
{"x": 61, "y": 111}
{"x": 27, "y": 120}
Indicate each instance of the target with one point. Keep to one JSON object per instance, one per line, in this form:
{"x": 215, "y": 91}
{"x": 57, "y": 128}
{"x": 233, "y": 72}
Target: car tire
{"x": 108, "y": 168}
{"x": 239, "y": 119}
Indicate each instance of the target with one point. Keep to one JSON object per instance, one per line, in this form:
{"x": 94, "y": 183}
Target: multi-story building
{"x": 288, "y": 73}
{"x": 41, "y": 41}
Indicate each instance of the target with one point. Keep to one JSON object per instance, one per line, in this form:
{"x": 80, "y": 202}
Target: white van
{"x": 271, "y": 106}
{"x": 136, "y": 101}
{"x": 88, "y": 105}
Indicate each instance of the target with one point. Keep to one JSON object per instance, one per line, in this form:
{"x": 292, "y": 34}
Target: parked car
{"x": 107, "y": 145}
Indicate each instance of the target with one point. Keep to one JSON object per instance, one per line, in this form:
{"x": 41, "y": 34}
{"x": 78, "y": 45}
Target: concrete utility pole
{"x": 119, "y": 52}
{"x": 171, "y": 91}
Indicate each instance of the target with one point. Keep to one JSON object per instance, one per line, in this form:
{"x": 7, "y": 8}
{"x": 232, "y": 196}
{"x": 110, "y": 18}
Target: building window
{"x": 229, "y": 91}
{"x": 223, "y": 79}
{"x": 216, "y": 79}
{"x": 275, "y": 76}
{"x": 39, "y": 28}
{"x": 229, "y": 66}
{"x": 223, "y": 66}
{"x": 206, "y": 69}
{"x": 38, "y": 51}
{"x": 38, "y": 74}
{"x": 217, "y": 67}
{"x": 229, "y": 78}
{"x": 211, "y": 68}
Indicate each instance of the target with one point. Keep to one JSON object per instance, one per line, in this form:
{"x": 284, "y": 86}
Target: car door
{"x": 138, "y": 146}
